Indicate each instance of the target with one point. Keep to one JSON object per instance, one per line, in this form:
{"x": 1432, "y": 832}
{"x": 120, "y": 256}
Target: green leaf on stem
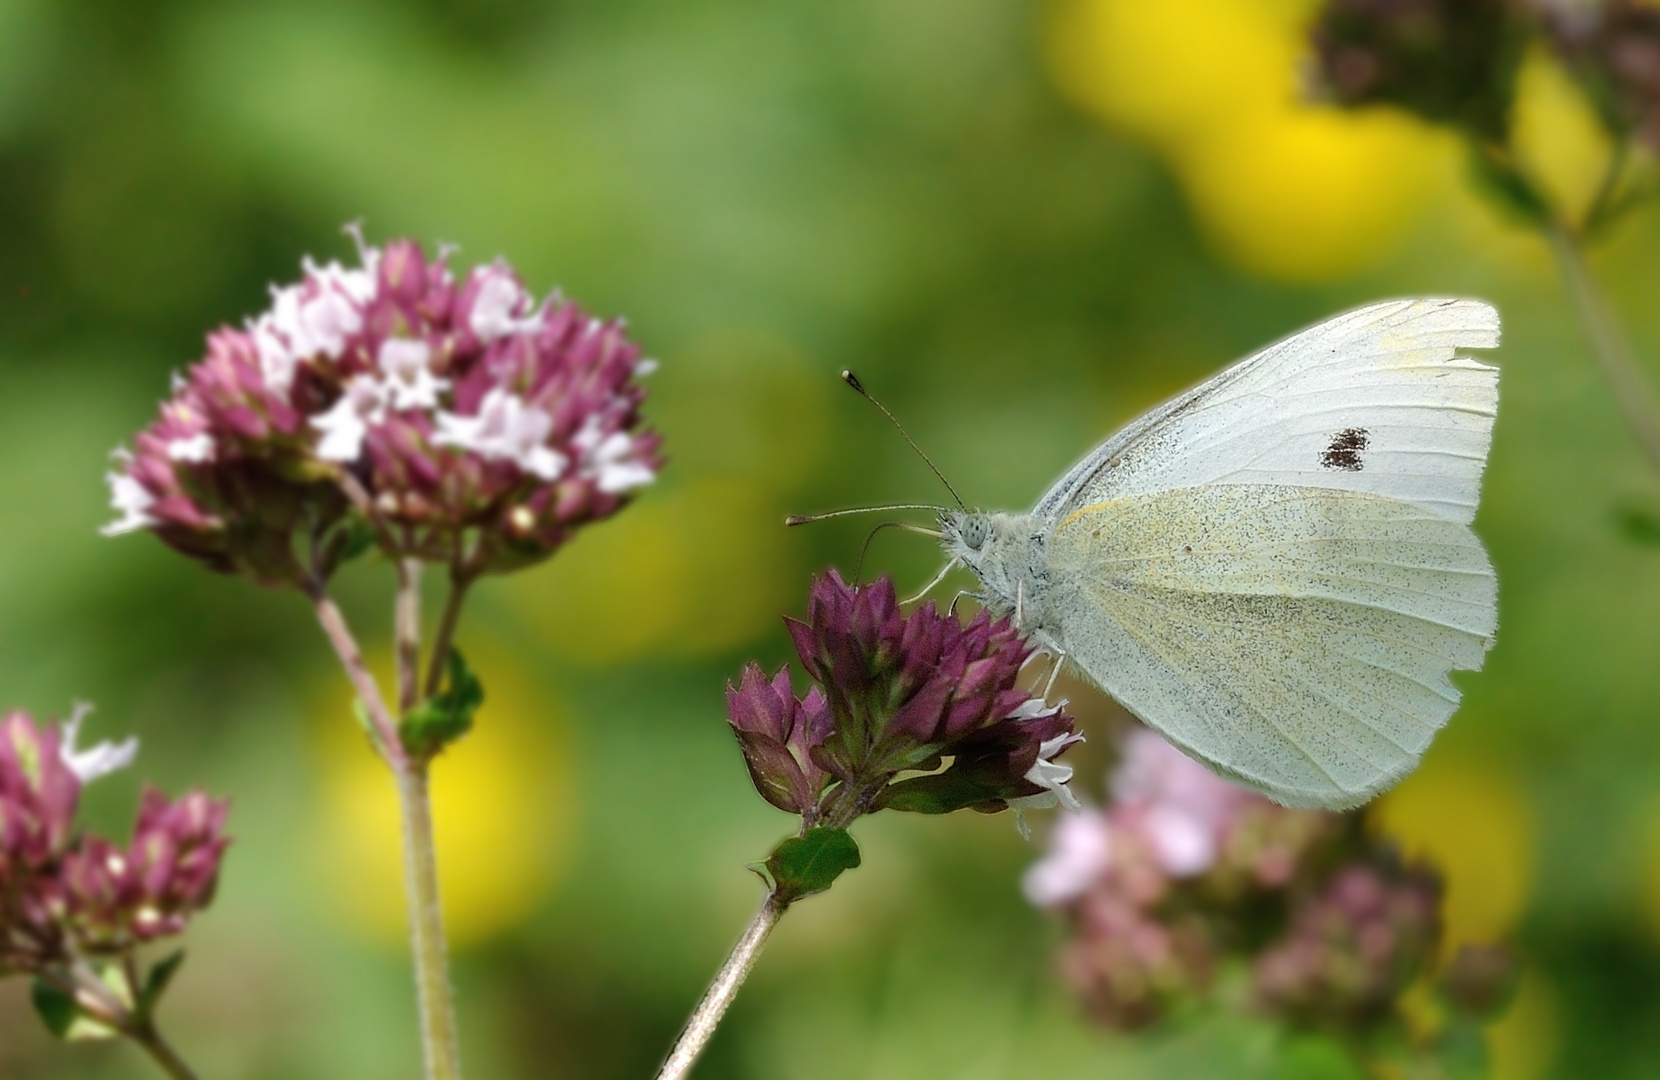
{"x": 445, "y": 716}
{"x": 65, "y": 1018}
{"x": 155, "y": 984}
{"x": 1496, "y": 176}
{"x": 1639, "y": 525}
{"x": 356, "y": 538}
{"x": 808, "y": 864}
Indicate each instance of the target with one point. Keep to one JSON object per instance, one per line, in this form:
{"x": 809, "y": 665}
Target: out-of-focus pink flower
{"x": 1182, "y": 808}
{"x": 39, "y": 792}
{"x": 61, "y": 892}
{"x": 1129, "y": 964}
{"x": 1614, "y": 48}
{"x": 1154, "y": 883}
{"x": 113, "y": 898}
{"x": 1354, "y": 947}
{"x": 1080, "y": 853}
{"x": 447, "y": 407}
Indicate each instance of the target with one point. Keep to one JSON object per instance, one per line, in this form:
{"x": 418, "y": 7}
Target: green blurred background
{"x": 1022, "y": 224}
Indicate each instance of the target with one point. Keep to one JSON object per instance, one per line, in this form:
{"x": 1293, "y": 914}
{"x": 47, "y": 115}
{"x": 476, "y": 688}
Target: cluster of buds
{"x": 1184, "y": 873}
{"x": 1449, "y": 61}
{"x": 460, "y": 422}
{"x": 1145, "y": 880}
{"x": 915, "y": 711}
{"x": 1455, "y": 62}
{"x": 1614, "y": 48}
{"x": 66, "y": 897}
{"x": 1354, "y": 946}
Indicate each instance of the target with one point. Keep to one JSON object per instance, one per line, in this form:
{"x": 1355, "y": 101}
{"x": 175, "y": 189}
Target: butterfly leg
{"x": 926, "y": 589}
{"x": 1054, "y": 673}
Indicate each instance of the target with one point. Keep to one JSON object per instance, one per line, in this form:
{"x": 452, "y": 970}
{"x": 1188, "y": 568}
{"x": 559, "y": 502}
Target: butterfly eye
{"x": 974, "y": 533}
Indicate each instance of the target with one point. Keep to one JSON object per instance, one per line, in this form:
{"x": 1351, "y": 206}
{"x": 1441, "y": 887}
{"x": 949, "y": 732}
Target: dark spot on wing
{"x": 1344, "y": 450}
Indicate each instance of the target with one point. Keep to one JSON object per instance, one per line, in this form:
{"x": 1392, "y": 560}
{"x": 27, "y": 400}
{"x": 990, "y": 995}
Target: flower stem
{"x": 385, "y": 729}
{"x": 700, "y": 1028}
{"x": 444, "y": 639}
{"x": 95, "y": 999}
{"x": 426, "y": 919}
{"x": 167, "y": 1059}
{"x": 1632, "y": 391}
{"x": 435, "y": 999}
{"x": 407, "y": 620}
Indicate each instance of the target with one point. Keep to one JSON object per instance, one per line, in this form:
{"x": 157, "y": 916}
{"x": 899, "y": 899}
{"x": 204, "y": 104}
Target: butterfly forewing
{"x": 1376, "y": 400}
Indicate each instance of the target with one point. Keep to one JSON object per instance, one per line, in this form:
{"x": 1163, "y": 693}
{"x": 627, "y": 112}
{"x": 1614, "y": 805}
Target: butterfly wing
{"x": 1375, "y": 400}
{"x": 1276, "y": 569}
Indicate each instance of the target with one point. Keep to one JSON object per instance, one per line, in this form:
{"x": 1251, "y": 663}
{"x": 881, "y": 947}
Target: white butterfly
{"x": 1276, "y": 570}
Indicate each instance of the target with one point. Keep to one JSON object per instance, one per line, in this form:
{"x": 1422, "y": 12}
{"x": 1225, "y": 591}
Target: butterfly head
{"x": 965, "y": 532}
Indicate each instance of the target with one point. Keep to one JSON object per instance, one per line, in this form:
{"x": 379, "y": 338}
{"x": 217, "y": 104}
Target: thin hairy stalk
{"x": 444, "y": 639}
{"x": 426, "y": 918}
{"x": 1632, "y": 390}
{"x": 161, "y": 1051}
{"x": 385, "y": 728}
{"x": 434, "y": 995}
{"x": 700, "y": 1028}
{"x": 407, "y": 620}
{"x": 97, "y": 1001}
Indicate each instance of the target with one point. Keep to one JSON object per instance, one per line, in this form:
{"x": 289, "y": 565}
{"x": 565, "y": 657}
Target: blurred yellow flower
{"x": 695, "y": 567}
{"x": 1475, "y": 826}
{"x": 1287, "y": 188}
{"x": 691, "y": 571}
{"x": 1522, "y": 1044}
{"x": 502, "y": 809}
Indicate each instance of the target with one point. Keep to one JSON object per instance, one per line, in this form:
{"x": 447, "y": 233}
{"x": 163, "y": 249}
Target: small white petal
{"x": 505, "y": 429}
{"x": 616, "y": 479}
{"x": 543, "y": 462}
{"x": 645, "y": 367}
{"x": 1034, "y": 708}
{"x": 196, "y": 449}
{"x": 97, "y": 760}
{"x": 345, "y": 425}
{"x": 1052, "y": 777}
{"x": 410, "y": 382}
{"x": 132, "y": 500}
{"x": 498, "y": 306}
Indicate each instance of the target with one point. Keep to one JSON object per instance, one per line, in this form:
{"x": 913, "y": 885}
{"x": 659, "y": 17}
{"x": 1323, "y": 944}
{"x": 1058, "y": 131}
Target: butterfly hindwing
{"x": 1298, "y": 639}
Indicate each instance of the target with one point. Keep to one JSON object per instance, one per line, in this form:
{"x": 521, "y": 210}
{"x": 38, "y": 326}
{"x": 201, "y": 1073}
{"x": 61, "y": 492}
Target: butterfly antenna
{"x": 859, "y": 567}
{"x": 853, "y": 380}
{"x": 808, "y": 519}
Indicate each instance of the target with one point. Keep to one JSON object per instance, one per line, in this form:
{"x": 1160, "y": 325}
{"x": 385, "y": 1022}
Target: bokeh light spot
{"x": 502, "y": 808}
{"x": 691, "y": 571}
{"x": 1285, "y": 187}
{"x": 1476, "y": 827}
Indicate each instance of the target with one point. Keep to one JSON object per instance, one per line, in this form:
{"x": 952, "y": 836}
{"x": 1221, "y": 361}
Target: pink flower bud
{"x": 39, "y": 792}
{"x": 902, "y": 692}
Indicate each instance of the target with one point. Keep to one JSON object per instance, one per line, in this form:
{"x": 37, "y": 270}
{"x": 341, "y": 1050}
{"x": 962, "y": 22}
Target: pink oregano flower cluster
{"x": 1183, "y": 876}
{"x": 65, "y": 895}
{"x": 458, "y": 421}
{"x": 911, "y": 711}
{"x": 1184, "y": 872}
